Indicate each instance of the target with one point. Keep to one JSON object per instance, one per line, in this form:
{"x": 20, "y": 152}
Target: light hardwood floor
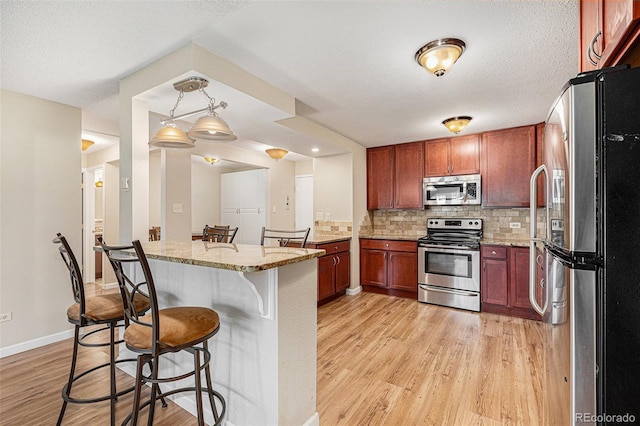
{"x": 381, "y": 361}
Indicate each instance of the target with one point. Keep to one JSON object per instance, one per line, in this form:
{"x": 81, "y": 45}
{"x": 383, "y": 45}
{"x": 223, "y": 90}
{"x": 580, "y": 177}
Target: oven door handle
{"x": 438, "y": 290}
{"x": 449, "y": 249}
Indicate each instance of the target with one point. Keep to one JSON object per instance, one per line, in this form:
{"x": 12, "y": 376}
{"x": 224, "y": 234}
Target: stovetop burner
{"x": 450, "y": 232}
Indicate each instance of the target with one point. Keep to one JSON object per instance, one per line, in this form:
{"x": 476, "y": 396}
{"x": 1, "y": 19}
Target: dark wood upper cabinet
{"x": 394, "y": 176}
{"x": 408, "y": 175}
{"x": 452, "y": 156}
{"x": 609, "y": 31}
{"x": 380, "y": 177}
{"x": 508, "y": 159}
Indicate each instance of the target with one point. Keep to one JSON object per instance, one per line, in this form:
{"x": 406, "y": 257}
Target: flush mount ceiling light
{"x": 211, "y": 127}
{"x": 456, "y": 124}
{"x": 438, "y": 56}
{"x": 212, "y": 160}
{"x": 86, "y": 143}
{"x": 276, "y": 153}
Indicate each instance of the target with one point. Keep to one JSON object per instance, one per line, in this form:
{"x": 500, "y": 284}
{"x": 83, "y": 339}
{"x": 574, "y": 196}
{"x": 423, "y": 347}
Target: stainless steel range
{"x": 449, "y": 263}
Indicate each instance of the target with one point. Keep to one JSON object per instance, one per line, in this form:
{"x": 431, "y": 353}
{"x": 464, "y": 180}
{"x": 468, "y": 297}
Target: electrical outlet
{"x": 5, "y": 317}
{"x": 514, "y": 225}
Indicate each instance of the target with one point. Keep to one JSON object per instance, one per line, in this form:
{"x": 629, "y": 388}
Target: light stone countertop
{"x": 323, "y": 239}
{"x": 235, "y": 257}
{"x": 390, "y": 237}
{"x": 514, "y": 243}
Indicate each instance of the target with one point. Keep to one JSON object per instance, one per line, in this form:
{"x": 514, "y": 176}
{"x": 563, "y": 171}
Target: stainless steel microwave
{"x": 451, "y": 190}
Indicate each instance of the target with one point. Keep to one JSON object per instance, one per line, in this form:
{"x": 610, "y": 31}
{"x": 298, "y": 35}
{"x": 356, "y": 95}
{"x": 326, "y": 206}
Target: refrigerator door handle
{"x": 533, "y": 231}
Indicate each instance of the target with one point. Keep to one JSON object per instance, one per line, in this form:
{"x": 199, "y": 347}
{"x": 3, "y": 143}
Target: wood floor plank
{"x": 381, "y": 361}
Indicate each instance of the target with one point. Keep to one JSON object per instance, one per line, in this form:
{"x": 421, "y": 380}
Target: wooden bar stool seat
{"x": 106, "y": 311}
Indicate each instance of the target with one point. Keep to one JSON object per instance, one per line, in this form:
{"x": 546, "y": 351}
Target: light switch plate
{"x": 177, "y": 207}
{"x": 319, "y": 216}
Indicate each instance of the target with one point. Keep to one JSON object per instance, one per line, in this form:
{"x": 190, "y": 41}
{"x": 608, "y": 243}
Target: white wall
{"x": 205, "y": 194}
{"x": 333, "y": 186}
{"x": 40, "y": 194}
{"x": 155, "y": 205}
{"x": 282, "y": 181}
{"x": 304, "y": 167}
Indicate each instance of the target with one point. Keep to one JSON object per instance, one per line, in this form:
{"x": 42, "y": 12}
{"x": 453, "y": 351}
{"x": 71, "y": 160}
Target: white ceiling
{"x": 349, "y": 64}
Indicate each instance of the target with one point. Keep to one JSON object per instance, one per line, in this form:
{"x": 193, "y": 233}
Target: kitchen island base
{"x": 264, "y": 356}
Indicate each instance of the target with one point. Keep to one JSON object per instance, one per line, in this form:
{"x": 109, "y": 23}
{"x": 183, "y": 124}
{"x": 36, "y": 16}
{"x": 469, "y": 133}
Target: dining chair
{"x": 285, "y": 238}
{"x": 163, "y": 331}
{"x": 219, "y": 233}
{"x": 105, "y": 311}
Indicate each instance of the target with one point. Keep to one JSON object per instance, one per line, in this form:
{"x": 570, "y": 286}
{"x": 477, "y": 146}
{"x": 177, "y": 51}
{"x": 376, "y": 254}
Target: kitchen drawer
{"x": 494, "y": 252}
{"x": 392, "y": 245}
{"x": 332, "y": 248}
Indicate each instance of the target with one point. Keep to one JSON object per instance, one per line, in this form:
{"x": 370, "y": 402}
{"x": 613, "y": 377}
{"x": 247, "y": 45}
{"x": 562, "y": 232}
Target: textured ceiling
{"x": 349, "y": 64}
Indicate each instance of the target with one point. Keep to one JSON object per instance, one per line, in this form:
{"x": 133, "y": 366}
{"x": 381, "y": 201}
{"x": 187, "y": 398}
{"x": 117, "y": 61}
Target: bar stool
{"x": 106, "y": 311}
{"x": 162, "y": 331}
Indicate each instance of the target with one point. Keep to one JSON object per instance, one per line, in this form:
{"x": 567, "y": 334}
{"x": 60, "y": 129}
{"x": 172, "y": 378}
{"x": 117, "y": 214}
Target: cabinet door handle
{"x": 334, "y": 262}
{"x": 592, "y": 50}
{"x": 493, "y": 252}
{"x": 484, "y": 265}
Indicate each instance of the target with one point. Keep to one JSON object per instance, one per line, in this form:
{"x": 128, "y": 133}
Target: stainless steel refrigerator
{"x": 585, "y": 250}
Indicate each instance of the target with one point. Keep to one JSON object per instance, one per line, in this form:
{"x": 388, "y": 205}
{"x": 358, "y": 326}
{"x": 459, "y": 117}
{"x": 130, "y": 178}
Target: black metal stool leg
{"x": 112, "y": 372}
{"x": 217, "y": 417}
{"x": 198, "y": 380}
{"x": 66, "y": 391}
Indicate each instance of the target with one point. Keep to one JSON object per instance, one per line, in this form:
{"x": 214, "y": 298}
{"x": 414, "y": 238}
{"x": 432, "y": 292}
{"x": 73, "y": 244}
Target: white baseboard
{"x": 354, "y": 291}
{"x": 35, "y": 343}
{"x": 106, "y": 286}
{"x": 314, "y": 420}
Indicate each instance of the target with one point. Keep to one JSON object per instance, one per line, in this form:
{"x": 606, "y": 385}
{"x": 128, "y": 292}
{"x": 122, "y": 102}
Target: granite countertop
{"x": 390, "y": 237}
{"x": 322, "y": 239}
{"x": 235, "y": 257}
{"x": 514, "y": 243}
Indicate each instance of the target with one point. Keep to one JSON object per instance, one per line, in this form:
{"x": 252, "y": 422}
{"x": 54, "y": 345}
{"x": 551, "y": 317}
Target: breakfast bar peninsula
{"x": 264, "y": 356}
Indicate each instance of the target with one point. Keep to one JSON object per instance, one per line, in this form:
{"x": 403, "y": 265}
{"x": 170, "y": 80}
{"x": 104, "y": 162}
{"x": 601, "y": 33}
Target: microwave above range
{"x": 451, "y": 190}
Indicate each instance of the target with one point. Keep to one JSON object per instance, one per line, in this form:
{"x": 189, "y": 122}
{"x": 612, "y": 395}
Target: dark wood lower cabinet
{"x": 505, "y": 281}
{"x": 334, "y": 270}
{"x": 389, "y": 267}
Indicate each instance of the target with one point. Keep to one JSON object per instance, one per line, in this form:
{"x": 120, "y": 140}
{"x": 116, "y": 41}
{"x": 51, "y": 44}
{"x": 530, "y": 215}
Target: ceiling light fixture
{"x": 211, "y": 127}
{"x": 438, "y": 56}
{"x": 86, "y": 143}
{"x": 212, "y": 160}
{"x": 457, "y": 124}
{"x": 276, "y": 153}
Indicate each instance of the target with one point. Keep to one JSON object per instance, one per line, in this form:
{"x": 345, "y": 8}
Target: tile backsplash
{"x": 332, "y": 228}
{"x": 498, "y": 224}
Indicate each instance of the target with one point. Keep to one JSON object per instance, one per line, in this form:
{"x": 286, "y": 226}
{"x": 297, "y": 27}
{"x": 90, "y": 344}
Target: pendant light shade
{"x": 456, "y": 124}
{"x": 212, "y": 128}
{"x": 438, "y": 56}
{"x": 172, "y": 137}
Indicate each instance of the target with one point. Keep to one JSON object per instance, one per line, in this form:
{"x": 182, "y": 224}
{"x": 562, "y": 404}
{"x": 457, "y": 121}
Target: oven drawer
{"x": 460, "y": 299}
{"x": 494, "y": 252}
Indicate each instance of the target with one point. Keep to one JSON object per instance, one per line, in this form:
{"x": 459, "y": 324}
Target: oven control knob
{"x": 476, "y": 222}
{"x": 470, "y": 223}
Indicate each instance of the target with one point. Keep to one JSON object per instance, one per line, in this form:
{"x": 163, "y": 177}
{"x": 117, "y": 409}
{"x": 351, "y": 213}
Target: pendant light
{"x": 210, "y": 127}
{"x": 438, "y": 56}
